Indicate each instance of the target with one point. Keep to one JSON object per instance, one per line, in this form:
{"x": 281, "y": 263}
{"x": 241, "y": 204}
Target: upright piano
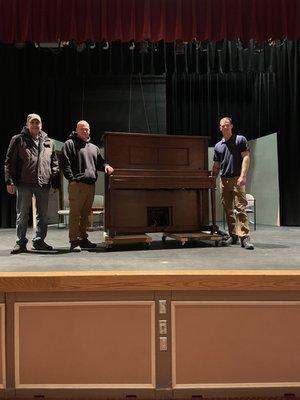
{"x": 160, "y": 183}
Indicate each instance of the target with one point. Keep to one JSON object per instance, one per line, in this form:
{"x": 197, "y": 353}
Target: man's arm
{"x": 10, "y": 166}
{"x": 65, "y": 163}
{"x": 215, "y": 169}
{"x": 102, "y": 165}
{"x": 55, "y": 181}
{"x": 245, "y": 167}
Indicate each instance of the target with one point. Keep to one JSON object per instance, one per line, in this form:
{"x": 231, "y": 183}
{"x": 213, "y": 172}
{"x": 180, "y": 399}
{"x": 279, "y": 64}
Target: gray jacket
{"x": 27, "y": 162}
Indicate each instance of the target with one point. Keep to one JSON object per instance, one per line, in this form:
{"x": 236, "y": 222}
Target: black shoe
{"x": 233, "y": 239}
{"x": 75, "y": 247}
{"x": 86, "y": 244}
{"x": 19, "y": 248}
{"x": 245, "y": 242}
{"x": 41, "y": 245}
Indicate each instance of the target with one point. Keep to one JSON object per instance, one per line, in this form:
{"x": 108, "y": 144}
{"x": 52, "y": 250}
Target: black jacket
{"x": 29, "y": 163}
{"x": 81, "y": 160}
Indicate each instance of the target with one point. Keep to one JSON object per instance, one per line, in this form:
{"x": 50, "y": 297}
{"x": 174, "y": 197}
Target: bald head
{"x": 83, "y": 130}
{"x": 82, "y": 122}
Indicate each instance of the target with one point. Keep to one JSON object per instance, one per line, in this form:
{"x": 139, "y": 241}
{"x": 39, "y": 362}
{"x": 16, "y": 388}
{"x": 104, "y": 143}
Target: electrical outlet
{"x": 163, "y": 343}
{"x": 162, "y": 306}
{"x": 162, "y": 326}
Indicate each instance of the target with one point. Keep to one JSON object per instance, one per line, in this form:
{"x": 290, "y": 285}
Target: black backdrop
{"x": 255, "y": 83}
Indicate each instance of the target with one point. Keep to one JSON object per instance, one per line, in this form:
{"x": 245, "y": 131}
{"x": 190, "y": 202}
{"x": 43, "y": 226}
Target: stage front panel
{"x": 235, "y": 344}
{"x": 2, "y": 346}
{"x": 85, "y": 344}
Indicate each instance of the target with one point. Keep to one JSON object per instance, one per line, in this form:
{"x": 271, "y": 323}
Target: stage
{"x": 194, "y": 320}
{"x": 276, "y": 248}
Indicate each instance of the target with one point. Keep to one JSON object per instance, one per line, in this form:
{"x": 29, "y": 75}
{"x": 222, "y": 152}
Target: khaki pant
{"x": 81, "y": 197}
{"x": 234, "y": 202}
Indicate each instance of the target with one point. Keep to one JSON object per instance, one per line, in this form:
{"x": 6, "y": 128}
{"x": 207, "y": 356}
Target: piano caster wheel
{"x": 216, "y": 243}
{"x": 108, "y": 247}
{"x": 164, "y": 238}
{"x": 147, "y": 246}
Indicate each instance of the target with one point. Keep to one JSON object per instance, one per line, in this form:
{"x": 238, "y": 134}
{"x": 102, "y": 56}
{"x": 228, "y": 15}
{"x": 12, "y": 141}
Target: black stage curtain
{"x": 197, "y": 102}
{"x": 54, "y": 83}
{"x": 257, "y": 84}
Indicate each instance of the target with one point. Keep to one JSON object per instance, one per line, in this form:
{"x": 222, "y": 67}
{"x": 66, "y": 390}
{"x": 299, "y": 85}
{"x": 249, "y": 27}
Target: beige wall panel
{"x": 86, "y": 344}
{"x": 2, "y": 346}
{"x": 235, "y": 344}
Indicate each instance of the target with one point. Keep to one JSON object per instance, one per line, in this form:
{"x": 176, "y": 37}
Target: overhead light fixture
{"x": 80, "y": 47}
{"x": 259, "y": 47}
{"x": 197, "y": 44}
{"x": 63, "y": 43}
{"x": 90, "y": 44}
{"x": 47, "y": 45}
{"x": 144, "y": 47}
{"x": 105, "y": 45}
{"x": 132, "y": 46}
{"x": 271, "y": 42}
{"x": 276, "y": 43}
{"x": 51, "y": 45}
{"x": 20, "y": 45}
{"x": 179, "y": 47}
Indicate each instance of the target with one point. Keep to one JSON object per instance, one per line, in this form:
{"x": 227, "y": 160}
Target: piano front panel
{"x": 140, "y": 211}
{"x": 160, "y": 183}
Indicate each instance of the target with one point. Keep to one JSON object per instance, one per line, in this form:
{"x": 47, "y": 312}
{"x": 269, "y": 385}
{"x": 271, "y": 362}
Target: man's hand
{"x": 241, "y": 181}
{"x": 108, "y": 169}
{"x": 11, "y": 189}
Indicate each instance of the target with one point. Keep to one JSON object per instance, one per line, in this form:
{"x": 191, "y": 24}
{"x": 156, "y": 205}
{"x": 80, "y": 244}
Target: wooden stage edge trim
{"x": 187, "y": 280}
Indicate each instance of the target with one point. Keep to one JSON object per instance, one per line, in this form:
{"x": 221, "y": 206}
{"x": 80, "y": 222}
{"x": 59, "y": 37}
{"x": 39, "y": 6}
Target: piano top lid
{"x": 156, "y": 152}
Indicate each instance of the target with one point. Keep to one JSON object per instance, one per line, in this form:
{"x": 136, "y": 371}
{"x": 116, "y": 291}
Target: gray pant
{"x": 24, "y": 199}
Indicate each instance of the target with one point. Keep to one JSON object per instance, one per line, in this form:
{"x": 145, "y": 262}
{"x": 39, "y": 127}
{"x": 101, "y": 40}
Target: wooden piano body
{"x": 160, "y": 183}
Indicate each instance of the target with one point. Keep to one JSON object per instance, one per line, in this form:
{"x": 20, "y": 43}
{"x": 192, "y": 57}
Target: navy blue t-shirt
{"x": 228, "y": 154}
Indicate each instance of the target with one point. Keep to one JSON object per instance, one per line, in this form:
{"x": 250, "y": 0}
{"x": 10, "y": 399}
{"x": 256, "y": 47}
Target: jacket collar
{"x": 25, "y": 131}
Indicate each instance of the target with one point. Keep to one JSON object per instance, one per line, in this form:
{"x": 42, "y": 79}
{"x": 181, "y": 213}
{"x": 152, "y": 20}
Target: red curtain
{"x": 125, "y": 20}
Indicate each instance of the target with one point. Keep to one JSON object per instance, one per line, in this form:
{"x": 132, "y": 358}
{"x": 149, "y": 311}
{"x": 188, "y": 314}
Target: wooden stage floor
{"x": 275, "y": 248}
{"x": 273, "y": 265}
